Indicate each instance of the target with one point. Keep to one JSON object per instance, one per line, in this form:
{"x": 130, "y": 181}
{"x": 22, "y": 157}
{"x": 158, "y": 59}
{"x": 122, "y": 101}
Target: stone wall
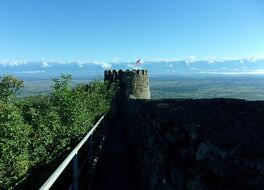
{"x": 197, "y": 144}
{"x": 135, "y": 83}
{"x": 140, "y": 85}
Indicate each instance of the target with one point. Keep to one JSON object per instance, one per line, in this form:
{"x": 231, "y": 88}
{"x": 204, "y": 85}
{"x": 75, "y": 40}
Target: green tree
{"x": 14, "y": 142}
{"x": 48, "y": 135}
{"x": 9, "y": 85}
{"x": 37, "y": 130}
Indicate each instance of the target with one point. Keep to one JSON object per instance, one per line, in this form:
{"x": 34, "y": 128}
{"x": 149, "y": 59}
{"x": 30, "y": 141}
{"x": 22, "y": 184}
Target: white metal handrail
{"x": 49, "y": 182}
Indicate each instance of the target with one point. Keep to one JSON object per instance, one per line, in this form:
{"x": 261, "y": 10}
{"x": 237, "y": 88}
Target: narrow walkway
{"x": 116, "y": 170}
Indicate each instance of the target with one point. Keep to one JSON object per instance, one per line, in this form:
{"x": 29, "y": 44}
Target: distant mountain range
{"x": 44, "y": 69}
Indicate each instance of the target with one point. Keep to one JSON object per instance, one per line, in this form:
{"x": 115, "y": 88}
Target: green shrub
{"x": 37, "y": 130}
{"x": 9, "y": 85}
{"x": 48, "y": 135}
{"x": 80, "y": 106}
{"x": 14, "y": 143}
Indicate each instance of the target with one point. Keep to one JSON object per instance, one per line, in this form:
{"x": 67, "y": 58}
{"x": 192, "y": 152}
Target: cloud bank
{"x": 107, "y": 65}
{"x": 191, "y": 65}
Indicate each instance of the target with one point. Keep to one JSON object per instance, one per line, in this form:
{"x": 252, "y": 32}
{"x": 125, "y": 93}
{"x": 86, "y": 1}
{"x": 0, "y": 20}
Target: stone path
{"x": 116, "y": 169}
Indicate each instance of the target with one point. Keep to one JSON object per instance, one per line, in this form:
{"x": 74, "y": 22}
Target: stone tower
{"x": 133, "y": 84}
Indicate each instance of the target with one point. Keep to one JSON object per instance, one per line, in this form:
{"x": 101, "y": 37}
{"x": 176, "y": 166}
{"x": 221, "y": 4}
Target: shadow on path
{"x": 116, "y": 169}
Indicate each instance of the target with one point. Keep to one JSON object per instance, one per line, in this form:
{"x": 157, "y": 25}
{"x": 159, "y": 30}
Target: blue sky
{"x": 123, "y": 30}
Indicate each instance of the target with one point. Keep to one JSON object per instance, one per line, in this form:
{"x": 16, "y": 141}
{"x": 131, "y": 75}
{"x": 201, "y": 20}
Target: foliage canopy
{"x": 35, "y": 130}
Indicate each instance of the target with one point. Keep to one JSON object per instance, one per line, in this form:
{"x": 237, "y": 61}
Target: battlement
{"x": 117, "y": 75}
{"x": 134, "y": 82}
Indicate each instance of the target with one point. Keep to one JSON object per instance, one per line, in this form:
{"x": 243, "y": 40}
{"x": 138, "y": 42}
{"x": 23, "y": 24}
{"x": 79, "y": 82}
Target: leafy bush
{"x": 14, "y": 143}
{"x": 9, "y": 85}
{"x": 80, "y": 106}
{"x": 48, "y": 135}
{"x": 36, "y": 130}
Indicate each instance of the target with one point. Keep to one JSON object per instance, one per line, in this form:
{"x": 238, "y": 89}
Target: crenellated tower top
{"x": 135, "y": 83}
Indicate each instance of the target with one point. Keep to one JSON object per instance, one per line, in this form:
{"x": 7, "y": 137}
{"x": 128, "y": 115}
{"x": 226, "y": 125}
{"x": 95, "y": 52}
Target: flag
{"x": 138, "y": 62}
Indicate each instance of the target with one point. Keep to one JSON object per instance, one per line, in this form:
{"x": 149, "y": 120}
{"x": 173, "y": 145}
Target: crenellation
{"x": 114, "y": 72}
{"x": 120, "y": 72}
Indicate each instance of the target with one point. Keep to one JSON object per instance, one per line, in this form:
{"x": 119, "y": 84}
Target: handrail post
{"x": 75, "y": 171}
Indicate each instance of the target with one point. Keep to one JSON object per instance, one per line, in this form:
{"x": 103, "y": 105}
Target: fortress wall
{"x": 197, "y": 144}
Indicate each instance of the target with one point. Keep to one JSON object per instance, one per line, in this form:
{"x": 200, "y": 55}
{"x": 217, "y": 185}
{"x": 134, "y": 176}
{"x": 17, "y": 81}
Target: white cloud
{"x": 45, "y": 64}
{"x": 254, "y": 58}
{"x": 191, "y": 59}
{"x": 130, "y": 65}
{"x": 104, "y": 65}
{"x": 115, "y": 60}
{"x": 133, "y": 66}
{"x": 214, "y": 59}
{"x": 211, "y": 61}
{"x": 166, "y": 60}
{"x": 250, "y": 72}
{"x": 7, "y": 62}
{"x": 107, "y": 65}
{"x": 30, "y": 72}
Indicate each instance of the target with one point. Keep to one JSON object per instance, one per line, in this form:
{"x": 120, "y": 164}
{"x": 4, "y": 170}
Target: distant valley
{"x": 169, "y": 78}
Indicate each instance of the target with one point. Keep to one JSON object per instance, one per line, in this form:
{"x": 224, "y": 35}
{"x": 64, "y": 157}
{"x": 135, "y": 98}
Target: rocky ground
{"x": 197, "y": 144}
